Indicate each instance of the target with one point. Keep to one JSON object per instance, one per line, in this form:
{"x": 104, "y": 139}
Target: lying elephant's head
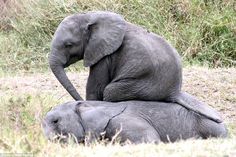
{"x": 63, "y": 121}
{"x": 89, "y": 36}
{"x": 81, "y": 119}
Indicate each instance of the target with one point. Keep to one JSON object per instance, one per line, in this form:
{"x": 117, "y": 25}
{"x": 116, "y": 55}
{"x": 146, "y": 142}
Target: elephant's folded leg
{"x": 122, "y": 90}
{"x": 209, "y": 128}
{"x": 190, "y": 102}
{"x": 132, "y": 129}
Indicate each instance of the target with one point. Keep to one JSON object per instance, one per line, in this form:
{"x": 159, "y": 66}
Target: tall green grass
{"x": 204, "y": 32}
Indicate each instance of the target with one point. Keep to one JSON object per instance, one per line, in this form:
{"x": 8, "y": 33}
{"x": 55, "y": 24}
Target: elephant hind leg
{"x": 209, "y": 128}
{"x": 191, "y": 103}
{"x": 132, "y": 129}
{"x": 119, "y": 91}
{"x": 127, "y": 89}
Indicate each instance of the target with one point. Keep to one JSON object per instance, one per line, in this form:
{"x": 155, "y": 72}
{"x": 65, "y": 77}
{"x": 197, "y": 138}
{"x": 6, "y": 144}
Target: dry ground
{"x": 216, "y": 87}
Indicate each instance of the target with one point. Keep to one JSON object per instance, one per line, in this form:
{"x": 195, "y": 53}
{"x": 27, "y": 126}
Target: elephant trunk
{"x": 56, "y": 65}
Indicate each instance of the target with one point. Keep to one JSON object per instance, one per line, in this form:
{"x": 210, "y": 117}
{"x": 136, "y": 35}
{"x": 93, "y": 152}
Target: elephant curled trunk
{"x": 57, "y": 66}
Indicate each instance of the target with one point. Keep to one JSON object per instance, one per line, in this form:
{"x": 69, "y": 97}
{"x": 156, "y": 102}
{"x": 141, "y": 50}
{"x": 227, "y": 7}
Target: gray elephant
{"x": 126, "y": 61}
{"x": 135, "y": 121}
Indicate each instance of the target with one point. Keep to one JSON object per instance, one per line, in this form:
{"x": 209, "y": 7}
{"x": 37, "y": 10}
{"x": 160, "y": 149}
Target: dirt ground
{"x": 216, "y": 87}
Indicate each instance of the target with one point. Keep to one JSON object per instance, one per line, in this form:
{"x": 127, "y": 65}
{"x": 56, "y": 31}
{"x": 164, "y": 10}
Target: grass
{"x": 203, "y": 32}
{"x": 25, "y": 98}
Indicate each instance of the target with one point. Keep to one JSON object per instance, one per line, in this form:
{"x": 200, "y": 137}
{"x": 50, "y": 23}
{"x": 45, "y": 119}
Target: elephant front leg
{"x": 97, "y": 81}
{"x": 94, "y": 93}
{"x": 95, "y": 88}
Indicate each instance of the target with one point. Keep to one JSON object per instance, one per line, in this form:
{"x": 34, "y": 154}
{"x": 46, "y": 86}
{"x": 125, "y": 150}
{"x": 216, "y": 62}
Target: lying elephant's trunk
{"x": 56, "y": 64}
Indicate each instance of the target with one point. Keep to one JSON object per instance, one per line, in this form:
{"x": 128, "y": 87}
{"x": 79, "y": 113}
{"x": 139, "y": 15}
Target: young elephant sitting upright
{"x": 135, "y": 121}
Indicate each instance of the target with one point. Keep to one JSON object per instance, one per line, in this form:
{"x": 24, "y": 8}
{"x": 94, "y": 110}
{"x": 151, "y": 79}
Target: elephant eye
{"x": 55, "y": 120}
{"x": 68, "y": 45}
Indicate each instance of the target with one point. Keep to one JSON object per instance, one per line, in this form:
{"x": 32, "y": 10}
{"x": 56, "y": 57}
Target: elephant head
{"x": 81, "y": 119}
{"x": 63, "y": 121}
{"x": 90, "y": 37}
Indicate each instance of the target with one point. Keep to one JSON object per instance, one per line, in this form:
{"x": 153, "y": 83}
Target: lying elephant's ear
{"x": 106, "y": 31}
{"x": 96, "y": 114}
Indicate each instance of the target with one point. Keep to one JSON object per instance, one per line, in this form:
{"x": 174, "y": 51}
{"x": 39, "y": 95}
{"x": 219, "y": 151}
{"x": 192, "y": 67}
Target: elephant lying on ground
{"x": 136, "y": 121}
{"x": 126, "y": 61}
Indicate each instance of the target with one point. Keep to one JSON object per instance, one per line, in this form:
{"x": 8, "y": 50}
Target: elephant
{"x": 126, "y": 62}
{"x": 133, "y": 121}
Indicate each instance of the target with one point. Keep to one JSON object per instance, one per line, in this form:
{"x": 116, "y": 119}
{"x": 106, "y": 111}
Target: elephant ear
{"x": 107, "y": 31}
{"x": 97, "y": 114}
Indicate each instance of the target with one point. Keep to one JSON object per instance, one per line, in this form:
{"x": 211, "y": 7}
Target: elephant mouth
{"x": 65, "y": 138}
{"x": 72, "y": 60}
{"x": 61, "y": 138}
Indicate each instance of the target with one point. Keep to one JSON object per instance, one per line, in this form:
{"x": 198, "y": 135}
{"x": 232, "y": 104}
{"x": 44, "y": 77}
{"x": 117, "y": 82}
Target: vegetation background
{"x": 203, "y": 32}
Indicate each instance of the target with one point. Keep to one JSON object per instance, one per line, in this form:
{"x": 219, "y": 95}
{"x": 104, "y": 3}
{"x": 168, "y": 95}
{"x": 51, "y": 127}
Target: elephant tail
{"x": 191, "y": 103}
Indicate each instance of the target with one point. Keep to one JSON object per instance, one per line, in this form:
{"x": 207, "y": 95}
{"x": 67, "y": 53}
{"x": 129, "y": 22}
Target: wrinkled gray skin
{"x": 126, "y": 61}
{"x": 136, "y": 121}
